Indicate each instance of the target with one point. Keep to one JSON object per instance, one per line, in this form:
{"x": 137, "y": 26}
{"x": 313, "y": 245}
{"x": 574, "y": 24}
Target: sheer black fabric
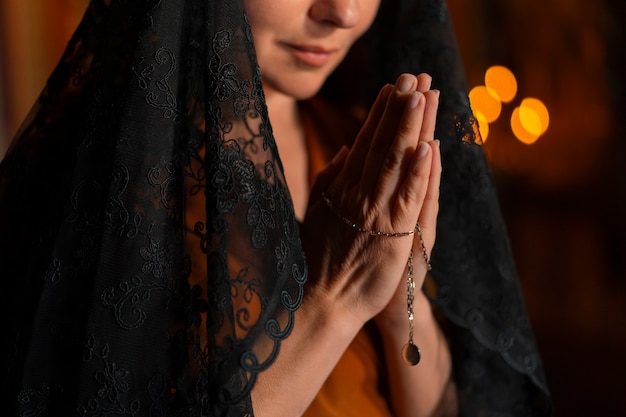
{"x": 149, "y": 254}
{"x": 155, "y": 106}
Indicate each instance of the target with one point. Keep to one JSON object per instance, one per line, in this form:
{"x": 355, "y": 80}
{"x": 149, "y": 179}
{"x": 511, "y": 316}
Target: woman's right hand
{"x": 379, "y": 184}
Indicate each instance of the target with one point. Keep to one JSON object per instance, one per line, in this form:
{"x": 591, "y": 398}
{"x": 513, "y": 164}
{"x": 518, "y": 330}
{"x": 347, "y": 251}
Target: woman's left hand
{"x": 396, "y": 311}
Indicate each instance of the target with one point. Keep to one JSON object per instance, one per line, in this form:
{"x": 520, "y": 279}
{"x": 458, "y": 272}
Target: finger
{"x": 413, "y": 189}
{"x": 430, "y": 208}
{"x": 386, "y": 129}
{"x": 358, "y": 153}
{"x": 424, "y": 82}
{"x": 375, "y": 114}
{"x": 398, "y": 159}
{"x": 397, "y": 133}
{"x": 427, "y": 132}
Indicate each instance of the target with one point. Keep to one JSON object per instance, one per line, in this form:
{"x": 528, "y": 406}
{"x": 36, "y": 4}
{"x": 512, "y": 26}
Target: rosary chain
{"x": 359, "y": 228}
{"x": 410, "y": 352}
{"x": 424, "y": 251}
{"x": 410, "y": 295}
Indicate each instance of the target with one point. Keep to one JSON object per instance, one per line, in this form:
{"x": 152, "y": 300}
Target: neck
{"x": 283, "y": 111}
{"x": 290, "y": 139}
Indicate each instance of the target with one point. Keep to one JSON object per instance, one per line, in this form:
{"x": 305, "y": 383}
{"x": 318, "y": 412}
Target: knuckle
{"x": 405, "y": 130}
{"x": 420, "y": 173}
{"x": 409, "y": 196}
{"x": 393, "y": 160}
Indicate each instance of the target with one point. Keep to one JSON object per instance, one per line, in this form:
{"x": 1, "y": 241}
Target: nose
{"x": 341, "y": 13}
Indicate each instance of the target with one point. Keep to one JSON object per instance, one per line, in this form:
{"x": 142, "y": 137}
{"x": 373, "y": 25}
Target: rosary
{"x": 410, "y": 352}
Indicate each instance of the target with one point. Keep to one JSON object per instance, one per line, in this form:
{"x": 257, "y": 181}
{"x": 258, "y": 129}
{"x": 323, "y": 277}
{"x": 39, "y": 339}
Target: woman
{"x": 165, "y": 275}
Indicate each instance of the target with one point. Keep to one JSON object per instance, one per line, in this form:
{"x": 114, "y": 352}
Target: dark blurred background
{"x": 563, "y": 197}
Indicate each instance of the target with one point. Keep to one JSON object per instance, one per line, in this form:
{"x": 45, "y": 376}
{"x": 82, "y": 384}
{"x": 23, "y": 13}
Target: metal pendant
{"x": 411, "y": 354}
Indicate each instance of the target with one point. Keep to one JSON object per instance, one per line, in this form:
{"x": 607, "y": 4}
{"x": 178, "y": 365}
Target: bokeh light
{"x": 485, "y": 101}
{"x": 519, "y": 120}
{"x": 538, "y": 110}
{"x": 528, "y": 121}
{"x": 483, "y": 125}
{"x": 501, "y": 81}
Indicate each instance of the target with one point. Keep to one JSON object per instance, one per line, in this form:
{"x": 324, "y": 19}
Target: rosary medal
{"x": 411, "y": 354}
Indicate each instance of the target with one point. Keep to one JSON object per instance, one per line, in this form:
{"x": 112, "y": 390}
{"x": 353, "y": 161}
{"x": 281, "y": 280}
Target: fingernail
{"x": 422, "y": 149}
{"x": 438, "y": 142}
{"x": 404, "y": 83}
{"x": 414, "y": 99}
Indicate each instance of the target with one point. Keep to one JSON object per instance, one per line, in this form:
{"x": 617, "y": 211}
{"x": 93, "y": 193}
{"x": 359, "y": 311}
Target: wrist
{"x": 322, "y": 311}
{"x": 396, "y": 326}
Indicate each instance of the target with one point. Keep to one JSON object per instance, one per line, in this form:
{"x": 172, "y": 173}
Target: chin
{"x": 304, "y": 93}
{"x": 299, "y": 87}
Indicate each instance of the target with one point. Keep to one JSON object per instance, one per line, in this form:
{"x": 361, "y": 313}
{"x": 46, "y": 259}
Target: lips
{"x": 313, "y": 56}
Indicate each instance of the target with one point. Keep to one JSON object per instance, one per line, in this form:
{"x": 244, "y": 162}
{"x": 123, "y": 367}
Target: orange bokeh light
{"x": 538, "y": 118}
{"x": 485, "y": 101}
{"x": 483, "y": 125}
{"x": 521, "y": 118}
{"x": 502, "y": 81}
{"x": 528, "y": 121}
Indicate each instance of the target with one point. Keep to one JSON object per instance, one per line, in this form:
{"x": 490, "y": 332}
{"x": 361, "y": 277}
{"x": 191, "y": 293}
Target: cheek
{"x": 370, "y": 10}
{"x": 264, "y": 18}
{"x": 266, "y": 14}
{"x": 256, "y": 17}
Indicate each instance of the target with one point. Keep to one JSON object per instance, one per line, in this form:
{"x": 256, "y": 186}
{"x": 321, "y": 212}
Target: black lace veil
{"x": 149, "y": 255}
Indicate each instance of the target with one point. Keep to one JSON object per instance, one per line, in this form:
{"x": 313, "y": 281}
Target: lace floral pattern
{"x": 158, "y": 333}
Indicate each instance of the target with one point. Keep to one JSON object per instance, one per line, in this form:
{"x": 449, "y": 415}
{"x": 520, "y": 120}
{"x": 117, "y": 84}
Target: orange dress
{"x": 354, "y": 389}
